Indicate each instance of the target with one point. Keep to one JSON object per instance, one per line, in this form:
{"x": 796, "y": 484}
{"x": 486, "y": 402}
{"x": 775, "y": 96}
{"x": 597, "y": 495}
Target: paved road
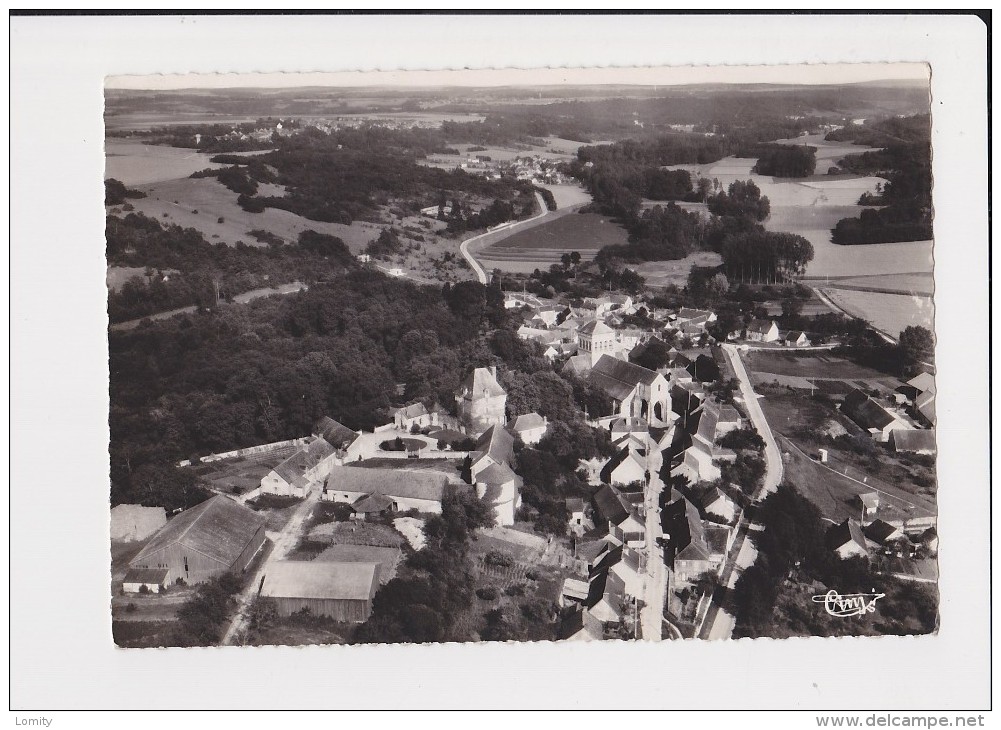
{"x": 284, "y": 542}
{"x": 481, "y": 275}
{"x": 719, "y": 624}
{"x": 655, "y": 583}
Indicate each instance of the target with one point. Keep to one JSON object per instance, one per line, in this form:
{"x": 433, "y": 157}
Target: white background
{"x": 62, "y": 652}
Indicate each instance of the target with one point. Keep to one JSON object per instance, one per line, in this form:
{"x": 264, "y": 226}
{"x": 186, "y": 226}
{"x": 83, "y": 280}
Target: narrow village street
{"x": 655, "y": 584}
{"x": 718, "y": 623}
{"x": 283, "y": 543}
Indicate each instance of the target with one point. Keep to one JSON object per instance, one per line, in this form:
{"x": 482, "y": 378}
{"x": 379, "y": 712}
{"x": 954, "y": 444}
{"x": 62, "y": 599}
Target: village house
{"x": 625, "y": 564}
{"x": 847, "y": 540}
{"x": 762, "y": 330}
{"x": 580, "y": 625}
{"x": 871, "y": 416}
{"x": 152, "y": 580}
{"x": 704, "y": 369}
{"x": 883, "y": 533}
{"x": 546, "y": 316}
{"x": 686, "y": 551}
{"x": 513, "y": 300}
{"x": 415, "y": 414}
{"x": 606, "y": 598}
{"x": 575, "y": 514}
{"x": 496, "y": 483}
{"x": 337, "y": 435}
{"x": 636, "y": 392}
{"x": 693, "y": 318}
{"x": 406, "y": 490}
{"x": 869, "y": 502}
{"x": 529, "y": 427}
{"x": 130, "y": 522}
{"x": 920, "y": 391}
{"x": 628, "y": 466}
{"x": 701, "y": 459}
{"x": 624, "y": 524}
{"x": 205, "y": 541}
{"x": 719, "y": 539}
{"x": 297, "y": 475}
{"x": 481, "y": 401}
{"x": 716, "y": 503}
{"x": 495, "y": 446}
{"x": 796, "y": 338}
{"x": 622, "y": 427}
{"x": 341, "y": 591}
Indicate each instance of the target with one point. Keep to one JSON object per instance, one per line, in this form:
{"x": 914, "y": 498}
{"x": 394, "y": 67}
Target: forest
{"x": 268, "y": 370}
{"x": 786, "y": 161}
{"x": 349, "y": 174}
{"x": 201, "y": 272}
{"x": 905, "y": 203}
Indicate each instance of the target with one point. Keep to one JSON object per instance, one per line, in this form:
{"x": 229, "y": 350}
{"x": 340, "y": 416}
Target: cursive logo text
{"x": 850, "y": 604}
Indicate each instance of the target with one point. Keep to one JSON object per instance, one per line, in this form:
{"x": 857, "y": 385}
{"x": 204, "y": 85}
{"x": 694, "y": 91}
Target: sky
{"x": 647, "y": 76}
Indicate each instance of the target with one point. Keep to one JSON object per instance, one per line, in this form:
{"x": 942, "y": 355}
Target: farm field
{"x": 568, "y": 196}
{"x": 811, "y": 206}
{"x": 663, "y": 273}
{"x": 135, "y": 163}
{"x": 809, "y": 365}
{"x": 906, "y": 489}
{"x": 916, "y": 283}
{"x": 542, "y": 245}
{"x": 213, "y": 201}
{"x": 890, "y": 313}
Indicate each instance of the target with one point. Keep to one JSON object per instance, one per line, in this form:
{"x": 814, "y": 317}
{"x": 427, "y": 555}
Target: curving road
{"x": 719, "y": 624}
{"x": 481, "y": 275}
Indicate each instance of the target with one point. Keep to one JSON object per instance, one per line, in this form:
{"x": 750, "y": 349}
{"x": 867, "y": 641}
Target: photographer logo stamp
{"x": 849, "y": 604}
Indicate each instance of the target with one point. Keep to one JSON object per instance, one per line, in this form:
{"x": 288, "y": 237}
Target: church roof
{"x": 617, "y": 377}
{"x": 596, "y": 327}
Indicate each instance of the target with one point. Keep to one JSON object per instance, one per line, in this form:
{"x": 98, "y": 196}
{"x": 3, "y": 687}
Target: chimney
{"x": 493, "y": 371}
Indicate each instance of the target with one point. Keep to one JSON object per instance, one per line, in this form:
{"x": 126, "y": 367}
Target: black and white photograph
{"x": 634, "y": 356}
{"x": 521, "y": 363}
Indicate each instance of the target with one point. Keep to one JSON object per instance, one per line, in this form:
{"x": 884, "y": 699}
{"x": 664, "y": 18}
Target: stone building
{"x": 481, "y": 401}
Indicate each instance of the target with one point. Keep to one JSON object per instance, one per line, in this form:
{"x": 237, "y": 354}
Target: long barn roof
{"x": 321, "y": 579}
{"x": 218, "y": 528}
{"x": 427, "y": 485}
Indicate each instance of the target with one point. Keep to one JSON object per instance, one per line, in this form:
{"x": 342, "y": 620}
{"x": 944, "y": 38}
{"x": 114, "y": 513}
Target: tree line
{"x": 905, "y": 212}
{"x": 184, "y": 269}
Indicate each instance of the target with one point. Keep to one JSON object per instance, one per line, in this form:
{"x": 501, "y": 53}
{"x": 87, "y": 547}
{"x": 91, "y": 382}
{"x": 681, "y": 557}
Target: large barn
{"x": 405, "y": 490}
{"x": 203, "y": 542}
{"x": 341, "y": 591}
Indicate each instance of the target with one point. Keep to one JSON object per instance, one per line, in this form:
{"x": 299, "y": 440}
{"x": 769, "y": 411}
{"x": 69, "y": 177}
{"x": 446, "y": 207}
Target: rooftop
{"x": 618, "y": 378}
{"x": 320, "y": 579}
{"x": 425, "y": 485}
{"x": 219, "y": 528}
{"x": 306, "y": 458}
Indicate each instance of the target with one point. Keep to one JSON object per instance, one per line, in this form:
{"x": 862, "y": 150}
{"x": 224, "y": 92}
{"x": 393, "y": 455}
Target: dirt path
{"x": 284, "y": 542}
